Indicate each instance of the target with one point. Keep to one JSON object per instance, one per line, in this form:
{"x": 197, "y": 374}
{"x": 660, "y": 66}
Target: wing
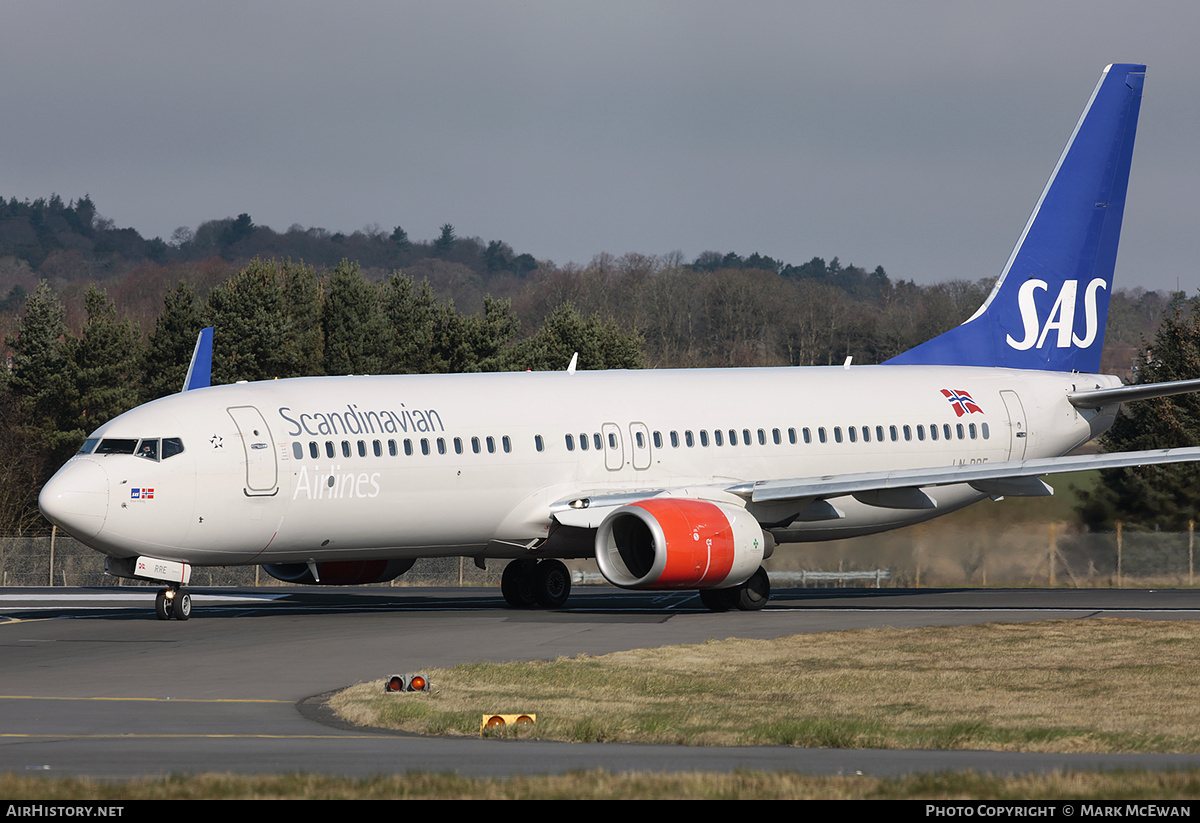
{"x": 900, "y": 488}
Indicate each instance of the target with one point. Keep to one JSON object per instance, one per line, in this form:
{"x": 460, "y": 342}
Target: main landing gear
{"x": 750, "y": 596}
{"x": 530, "y": 584}
{"x": 173, "y": 602}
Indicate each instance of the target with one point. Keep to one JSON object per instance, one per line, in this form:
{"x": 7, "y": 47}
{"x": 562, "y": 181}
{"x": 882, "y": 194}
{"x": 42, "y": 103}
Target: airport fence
{"x": 1047, "y": 554}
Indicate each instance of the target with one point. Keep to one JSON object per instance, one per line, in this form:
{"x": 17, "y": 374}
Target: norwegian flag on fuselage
{"x": 961, "y": 402}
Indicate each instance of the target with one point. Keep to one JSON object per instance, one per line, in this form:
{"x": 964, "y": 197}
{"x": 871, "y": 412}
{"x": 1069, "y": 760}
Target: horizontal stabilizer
{"x": 1096, "y": 398}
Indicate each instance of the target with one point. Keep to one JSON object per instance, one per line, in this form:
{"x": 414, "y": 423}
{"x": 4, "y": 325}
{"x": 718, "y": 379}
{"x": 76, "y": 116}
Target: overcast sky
{"x": 912, "y": 135}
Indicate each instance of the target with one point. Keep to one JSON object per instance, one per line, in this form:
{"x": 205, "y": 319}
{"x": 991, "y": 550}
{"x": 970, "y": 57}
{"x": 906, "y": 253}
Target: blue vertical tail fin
{"x": 1048, "y": 308}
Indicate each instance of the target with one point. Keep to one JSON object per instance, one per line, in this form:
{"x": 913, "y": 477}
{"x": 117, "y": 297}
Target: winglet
{"x": 199, "y": 373}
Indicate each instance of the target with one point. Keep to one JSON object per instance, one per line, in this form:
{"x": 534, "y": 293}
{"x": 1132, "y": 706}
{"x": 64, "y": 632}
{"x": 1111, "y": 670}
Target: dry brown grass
{"x": 601, "y": 785}
{"x": 1103, "y": 685}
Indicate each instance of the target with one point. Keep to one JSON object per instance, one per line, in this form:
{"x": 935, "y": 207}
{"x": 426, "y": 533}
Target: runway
{"x": 92, "y": 684}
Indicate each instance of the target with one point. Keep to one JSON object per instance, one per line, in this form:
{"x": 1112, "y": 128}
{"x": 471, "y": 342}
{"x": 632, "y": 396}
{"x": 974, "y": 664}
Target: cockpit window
{"x": 116, "y": 445}
{"x": 149, "y": 448}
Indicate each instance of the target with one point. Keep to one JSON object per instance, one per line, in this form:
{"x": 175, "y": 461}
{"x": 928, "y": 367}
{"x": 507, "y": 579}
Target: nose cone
{"x": 76, "y": 498}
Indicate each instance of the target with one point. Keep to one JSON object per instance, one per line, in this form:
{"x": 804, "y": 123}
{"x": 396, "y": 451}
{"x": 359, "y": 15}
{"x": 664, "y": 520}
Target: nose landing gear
{"x": 173, "y": 602}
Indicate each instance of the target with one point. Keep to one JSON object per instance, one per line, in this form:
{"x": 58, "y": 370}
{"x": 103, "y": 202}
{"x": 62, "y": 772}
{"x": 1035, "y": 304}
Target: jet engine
{"x": 679, "y": 543}
{"x": 340, "y": 572}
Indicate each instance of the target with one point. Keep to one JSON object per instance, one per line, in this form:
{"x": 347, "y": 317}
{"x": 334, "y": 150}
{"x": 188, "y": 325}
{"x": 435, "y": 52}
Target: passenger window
{"x": 507, "y": 443}
{"x": 892, "y": 432}
{"x": 852, "y": 432}
{"x": 441, "y": 444}
{"x": 425, "y": 446}
{"x": 973, "y": 430}
{"x": 920, "y": 432}
{"x": 596, "y": 441}
{"x": 408, "y": 449}
{"x": 821, "y": 434}
{"x": 658, "y": 440}
{"x": 984, "y": 428}
{"x": 362, "y": 448}
{"x": 908, "y": 433}
{"x": 537, "y": 442}
{"x": 378, "y": 448}
{"x": 612, "y": 440}
{"x": 879, "y": 433}
{"x": 837, "y": 434}
{"x": 345, "y": 448}
{"x": 329, "y": 449}
{"x": 392, "y": 448}
{"x": 583, "y": 442}
{"x": 959, "y": 426}
{"x": 762, "y": 437}
{"x": 297, "y": 451}
{"x": 314, "y": 451}
{"x": 641, "y": 440}
{"x": 570, "y": 442}
{"x": 458, "y": 447}
{"x": 933, "y": 433}
{"x": 718, "y": 438}
{"x": 778, "y": 439}
{"x": 704, "y": 437}
{"x": 491, "y": 444}
{"x": 475, "y": 445}
{"x": 674, "y": 439}
{"x": 687, "y": 438}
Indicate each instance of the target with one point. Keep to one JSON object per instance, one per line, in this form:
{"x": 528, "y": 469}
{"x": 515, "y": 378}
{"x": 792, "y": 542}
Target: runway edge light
{"x": 500, "y": 721}
{"x": 406, "y": 683}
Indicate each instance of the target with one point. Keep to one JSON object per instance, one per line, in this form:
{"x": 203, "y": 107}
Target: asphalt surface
{"x": 92, "y": 684}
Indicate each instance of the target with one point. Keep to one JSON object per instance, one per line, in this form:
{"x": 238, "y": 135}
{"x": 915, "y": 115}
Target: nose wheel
{"x": 175, "y": 602}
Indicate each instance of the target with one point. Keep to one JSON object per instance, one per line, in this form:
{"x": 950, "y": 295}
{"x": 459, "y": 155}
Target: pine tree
{"x": 408, "y": 314}
{"x": 1158, "y": 497}
{"x": 600, "y": 344}
{"x": 102, "y": 370}
{"x": 250, "y": 324}
{"x": 355, "y": 342}
{"x": 304, "y": 299}
{"x": 169, "y": 349}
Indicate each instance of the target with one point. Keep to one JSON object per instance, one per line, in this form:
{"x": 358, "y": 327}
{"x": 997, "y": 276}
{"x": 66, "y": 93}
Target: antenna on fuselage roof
{"x": 574, "y": 361}
{"x": 199, "y": 373}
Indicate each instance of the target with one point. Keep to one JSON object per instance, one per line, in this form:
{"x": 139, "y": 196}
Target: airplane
{"x": 669, "y": 479}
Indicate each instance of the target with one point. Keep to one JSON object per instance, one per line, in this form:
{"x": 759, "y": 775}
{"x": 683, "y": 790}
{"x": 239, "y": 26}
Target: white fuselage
{"x": 334, "y": 468}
